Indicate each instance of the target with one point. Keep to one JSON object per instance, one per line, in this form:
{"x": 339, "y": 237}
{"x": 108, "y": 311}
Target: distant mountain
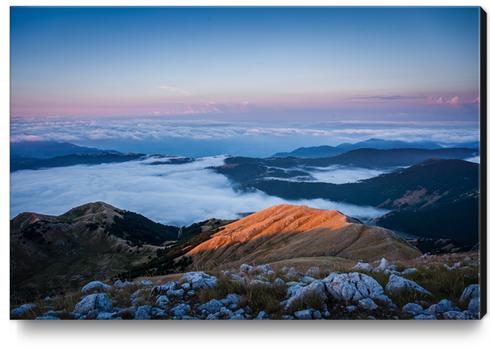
{"x": 96, "y": 240}
{"x": 242, "y": 169}
{"x": 444, "y": 192}
{"x": 287, "y": 233}
{"x": 50, "y": 149}
{"x": 19, "y": 163}
{"x": 328, "y": 151}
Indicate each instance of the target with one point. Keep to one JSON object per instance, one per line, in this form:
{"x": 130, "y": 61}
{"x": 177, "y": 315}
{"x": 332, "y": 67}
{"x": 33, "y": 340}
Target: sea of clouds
{"x": 177, "y": 194}
{"x": 201, "y": 137}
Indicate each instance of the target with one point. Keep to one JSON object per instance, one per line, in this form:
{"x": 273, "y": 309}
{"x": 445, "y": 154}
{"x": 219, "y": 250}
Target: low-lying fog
{"x": 177, "y": 194}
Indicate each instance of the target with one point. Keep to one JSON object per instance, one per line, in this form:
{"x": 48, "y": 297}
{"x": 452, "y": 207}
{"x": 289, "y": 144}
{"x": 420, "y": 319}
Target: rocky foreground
{"x": 378, "y": 290}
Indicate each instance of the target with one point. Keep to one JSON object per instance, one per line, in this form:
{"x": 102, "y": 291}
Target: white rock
{"x": 264, "y": 268}
{"x": 470, "y": 292}
{"x": 455, "y": 315}
{"x": 474, "y": 306}
{"x": 367, "y": 304}
{"x": 212, "y": 306}
{"x": 303, "y": 314}
{"x": 397, "y": 284}
{"x": 200, "y": 280}
{"x": 409, "y": 270}
{"x": 384, "y": 265}
{"x": 22, "y": 310}
{"x": 352, "y": 286}
{"x": 95, "y": 287}
{"x": 94, "y": 302}
{"x": 424, "y": 316}
{"x": 316, "y": 288}
{"x": 181, "y": 310}
{"x": 262, "y": 315}
{"x": 162, "y": 301}
{"x": 413, "y": 309}
{"x": 362, "y": 266}
{"x": 143, "y": 313}
{"x": 245, "y": 268}
{"x": 442, "y": 306}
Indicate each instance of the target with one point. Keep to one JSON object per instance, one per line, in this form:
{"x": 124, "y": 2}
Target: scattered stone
{"x": 351, "y": 308}
{"x": 238, "y": 315}
{"x": 397, "y": 284}
{"x": 424, "y": 316}
{"x": 362, "y": 266}
{"x": 442, "y": 306}
{"x": 303, "y": 314}
{"x": 212, "y": 306}
{"x": 352, "y": 286}
{"x": 367, "y": 304}
{"x": 47, "y": 318}
{"x": 262, "y": 315}
{"x": 470, "y": 292}
{"x": 409, "y": 270}
{"x": 158, "y": 313}
{"x": 245, "y": 268}
{"x": 316, "y": 288}
{"x": 162, "y": 289}
{"x": 474, "y": 307}
{"x": 307, "y": 279}
{"x": 455, "y": 315}
{"x": 200, "y": 280}
{"x": 122, "y": 284}
{"x": 264, "y": 268}
{"x": 22, "y": 310}
{"x": 181, "y": 310}
{"x": 162, "y": 301}
{"x": 105, "y": 316}
{"x": 143, "y": 313}
{"x": 95, "y": 287}
{"x": 146, "y": 282}
{"x": 94, "y": 302}
{"x": 384, "y": 265}
{"x": 412, "y": 309}
{"x": 186, "y": 286}
{"x": 231, "y": 299}
{"x": 279, "y": 282}
{"x": 176, "y": 292}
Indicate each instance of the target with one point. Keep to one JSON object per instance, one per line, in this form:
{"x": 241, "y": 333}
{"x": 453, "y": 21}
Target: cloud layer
{"x": 171, "y": 194}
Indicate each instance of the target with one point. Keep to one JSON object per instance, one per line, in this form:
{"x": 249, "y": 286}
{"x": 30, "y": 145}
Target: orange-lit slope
{"x": 288, "y": 231}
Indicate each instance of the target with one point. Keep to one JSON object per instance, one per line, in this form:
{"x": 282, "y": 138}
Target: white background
{"x": 230, "y": 333}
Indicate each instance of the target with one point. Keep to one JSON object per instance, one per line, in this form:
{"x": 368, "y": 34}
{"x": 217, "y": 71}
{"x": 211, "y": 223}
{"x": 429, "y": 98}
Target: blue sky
{"x": 247, "y": 64}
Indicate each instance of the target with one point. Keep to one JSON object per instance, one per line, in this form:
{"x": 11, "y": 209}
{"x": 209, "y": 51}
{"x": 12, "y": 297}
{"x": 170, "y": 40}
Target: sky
{"x": 246, "y": 64}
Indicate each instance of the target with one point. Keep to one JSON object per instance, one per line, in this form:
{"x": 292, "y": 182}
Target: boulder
{"x": 176, "y": 292}
{"x": 474, "y": 307}
{"x": 105, "y": 316}
{"x": 162, "y": 289}
{"x": 303, "y": 314}
{"x": 199, "y": 280}
{"x": 122, "y": 284}
{"x": 95, "y": 287}
{"x": 22, "y": 310}
{"x": 262, "y": 315}
{"x": 412, "y": 309}
{"x": 362, "y": 266}
{"x": 455, "y": 315}
{"x": 279, "y": 282}
{"x": 99, "y": 302}
{"x": 158, "y": 313}
{"x": 424, "y": 316}
{"x": 231, "y": 299}
{"x": 146, "y": 282}
{"x": 367, "y": 304}
{"x": 180, "y": 310}
{"x": 384, "y": 265}
{"x": 245, "y": 268}
{"x": 397, "y": 285}
{"x": 352, "y": 286}
{"x": 264, "y": 268}
{"x": 442, "y": 306}
{"x": 470, "y": 292}
{"x": 212, "y": 306}
{"x": 162, "y": 301}
{"x": 316, "y": 288}
{"x": 143, "y": 312}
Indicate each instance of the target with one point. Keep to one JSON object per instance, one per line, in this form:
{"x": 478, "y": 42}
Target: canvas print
{"x": 247, "y": 163}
